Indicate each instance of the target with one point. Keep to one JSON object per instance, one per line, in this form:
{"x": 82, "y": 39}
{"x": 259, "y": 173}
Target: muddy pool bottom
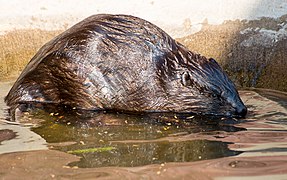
{"x": 50, "y": 146}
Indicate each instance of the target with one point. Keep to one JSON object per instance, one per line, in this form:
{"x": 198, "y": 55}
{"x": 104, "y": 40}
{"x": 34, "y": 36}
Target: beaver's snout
{"x": 241, "y": 111}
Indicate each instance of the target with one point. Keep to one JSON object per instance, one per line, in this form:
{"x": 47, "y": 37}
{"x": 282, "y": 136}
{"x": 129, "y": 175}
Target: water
{"x": 155, "y": 146}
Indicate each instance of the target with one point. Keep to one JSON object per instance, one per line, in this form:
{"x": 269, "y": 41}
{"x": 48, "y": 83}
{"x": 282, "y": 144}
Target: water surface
{"x": 148, "y": 146}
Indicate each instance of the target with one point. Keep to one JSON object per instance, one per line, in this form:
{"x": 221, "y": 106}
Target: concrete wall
{"x": 179, "y": 18}
{"x": 248, "y": 37}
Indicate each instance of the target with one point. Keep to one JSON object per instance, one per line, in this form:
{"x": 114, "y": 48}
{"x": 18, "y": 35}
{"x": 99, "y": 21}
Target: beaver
{"x": 124, "y": 63}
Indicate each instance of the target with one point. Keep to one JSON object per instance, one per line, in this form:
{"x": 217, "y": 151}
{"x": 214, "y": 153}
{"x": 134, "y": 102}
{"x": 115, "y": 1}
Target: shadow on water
{"x": 133, "y": 140}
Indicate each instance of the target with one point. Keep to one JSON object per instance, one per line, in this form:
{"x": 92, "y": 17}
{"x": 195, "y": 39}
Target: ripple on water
{"x": 172, "y": 145}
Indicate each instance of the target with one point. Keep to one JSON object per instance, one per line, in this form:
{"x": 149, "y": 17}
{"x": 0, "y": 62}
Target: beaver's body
{"x": 124, "y": 63}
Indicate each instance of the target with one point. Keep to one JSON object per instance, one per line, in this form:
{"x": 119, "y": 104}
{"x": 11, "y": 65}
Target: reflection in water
{"x": 138, "y": 154}
{"x": 136, "y": 140}
{"x": 143, "y": 145}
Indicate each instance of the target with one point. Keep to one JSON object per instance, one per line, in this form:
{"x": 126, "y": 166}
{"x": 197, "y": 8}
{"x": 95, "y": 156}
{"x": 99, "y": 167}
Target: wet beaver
{"x": 124, "y": 63}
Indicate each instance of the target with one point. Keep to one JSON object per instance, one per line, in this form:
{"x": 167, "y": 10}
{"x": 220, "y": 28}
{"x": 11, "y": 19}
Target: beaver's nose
{"x": 241, "y": 111}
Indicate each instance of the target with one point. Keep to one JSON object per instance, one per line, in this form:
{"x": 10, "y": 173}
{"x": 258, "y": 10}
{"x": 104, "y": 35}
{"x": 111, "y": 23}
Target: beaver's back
{"x": 124, "y": 63}
{"x": 103, "y": 62}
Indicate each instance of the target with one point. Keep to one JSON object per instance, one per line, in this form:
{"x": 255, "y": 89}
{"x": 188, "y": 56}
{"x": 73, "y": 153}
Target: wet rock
{"x": 252, "y": 52}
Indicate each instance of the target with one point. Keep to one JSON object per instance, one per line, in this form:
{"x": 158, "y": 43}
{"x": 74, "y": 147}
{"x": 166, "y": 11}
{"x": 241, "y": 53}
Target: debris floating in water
{"x": 91, "y": 150}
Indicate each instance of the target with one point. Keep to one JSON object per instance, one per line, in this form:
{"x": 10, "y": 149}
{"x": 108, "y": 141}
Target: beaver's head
{"x": 214, "y": 92}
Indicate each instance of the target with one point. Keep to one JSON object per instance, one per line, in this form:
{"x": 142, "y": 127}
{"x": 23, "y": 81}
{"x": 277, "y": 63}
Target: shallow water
{"x": 153, "y": 146}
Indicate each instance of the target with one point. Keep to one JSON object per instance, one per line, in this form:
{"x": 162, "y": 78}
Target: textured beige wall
{"x": 179, "y": 18}
{"x": 247, "y": 37}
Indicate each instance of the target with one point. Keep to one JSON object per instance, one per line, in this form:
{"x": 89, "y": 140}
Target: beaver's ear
{"x": 185, "y": 79}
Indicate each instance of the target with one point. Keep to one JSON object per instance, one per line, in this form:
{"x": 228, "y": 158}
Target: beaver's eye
{"x": 185, "y": 79}
{"x": 216, "y": 95}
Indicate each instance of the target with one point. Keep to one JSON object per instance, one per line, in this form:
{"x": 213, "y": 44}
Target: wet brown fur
{"x": 124, "y": 63}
